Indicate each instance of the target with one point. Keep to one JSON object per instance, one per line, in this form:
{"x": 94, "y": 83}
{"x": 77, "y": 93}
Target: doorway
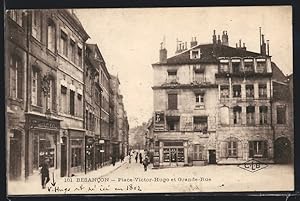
{"x": 63, "y": 157}
{"x": 283, "y": 152}
{"x": 212, "y": 157}
{"x": 15, "y": 164}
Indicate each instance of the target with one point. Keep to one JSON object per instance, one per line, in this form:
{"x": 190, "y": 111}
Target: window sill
{"x": 51, "y": 52}
{"x": 36, "y": 41}
{"x": 71, "y": 62}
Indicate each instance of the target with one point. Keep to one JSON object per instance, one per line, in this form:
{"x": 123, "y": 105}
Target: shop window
{"x": 262, "y": 90}
{"x": 63, "y": 43}
{"x": 281, "y": 114}
{"x": 51, "y": 35}
{"x": 36, "y": 30}
{"x": 47, "y": 149}
{"x": 250, "y": 112}
{"x": 87, "y": 120}
{"x": 198, "y": 152}
{"x": 200, "y": 124}
{"x": 250, "y": 91}
{"x": 236, "y": 91}
{"x": 237, "y": 115}
{"x": 172, "y": 101}
{"x": 16, "y": 78}
{"x": 232, "y": 149}
{"x": 173, "y": 123}
{"x": 76, "y": 157}
{"x": 263, "y": 111}
{"x": 172, "y": 76}
{"x": 258, "y": 149}
{"x": 224, "y": 91}
{"x": 72, "y": 102}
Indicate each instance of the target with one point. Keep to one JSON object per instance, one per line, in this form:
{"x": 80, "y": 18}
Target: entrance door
{"x": 15, "y": 156}
{"x": 212, "y": 157}
{"x": 63, "y": 157}
{"x": 282, "y": 150}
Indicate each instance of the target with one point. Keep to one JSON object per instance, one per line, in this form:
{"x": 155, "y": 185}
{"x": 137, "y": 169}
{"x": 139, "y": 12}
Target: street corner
{"x": 253, "y": 165}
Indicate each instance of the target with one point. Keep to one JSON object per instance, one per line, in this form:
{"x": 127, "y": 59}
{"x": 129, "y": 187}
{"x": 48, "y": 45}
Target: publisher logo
{"x": 253, "y": 165}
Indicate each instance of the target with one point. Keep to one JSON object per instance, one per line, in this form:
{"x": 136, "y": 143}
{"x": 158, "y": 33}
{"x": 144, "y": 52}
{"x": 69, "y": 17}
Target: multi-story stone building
{"x": 213, "y": 104}
{"x": 120, "y": 127}
{"x": 36, "y": 59}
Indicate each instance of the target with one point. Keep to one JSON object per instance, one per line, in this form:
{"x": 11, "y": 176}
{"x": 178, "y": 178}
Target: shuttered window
{"x": 258, "y": 149}
{"x": 172, "y": 101}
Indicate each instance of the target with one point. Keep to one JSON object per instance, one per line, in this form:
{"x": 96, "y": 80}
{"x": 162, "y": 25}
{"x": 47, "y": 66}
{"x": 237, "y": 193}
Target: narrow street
{"x": 131, "y": 178}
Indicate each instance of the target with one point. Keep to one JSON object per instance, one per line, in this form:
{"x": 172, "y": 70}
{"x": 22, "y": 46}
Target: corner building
{"x": 213, "y": 104}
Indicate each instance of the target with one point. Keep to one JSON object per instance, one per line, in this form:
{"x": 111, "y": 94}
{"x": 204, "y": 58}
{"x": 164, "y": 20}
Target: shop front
{"x": 76, "y": 147}
{"x": 173, "y": 153}
{"x": 42, "y": 143}
{"x": 89, "y": 153}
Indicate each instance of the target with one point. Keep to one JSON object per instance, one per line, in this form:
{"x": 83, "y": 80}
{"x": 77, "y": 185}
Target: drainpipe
{"x": 272, "y": 125}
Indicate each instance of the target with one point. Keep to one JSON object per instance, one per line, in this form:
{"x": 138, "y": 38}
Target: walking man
{"x": 141, "y": 158}
{"x": 45, "y": 173}
{"x": 136, "y": 157}
{"x": 145, "y": 163}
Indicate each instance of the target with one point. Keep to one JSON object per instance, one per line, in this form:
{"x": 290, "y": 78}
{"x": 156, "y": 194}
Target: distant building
{"x": 214, "y": 104}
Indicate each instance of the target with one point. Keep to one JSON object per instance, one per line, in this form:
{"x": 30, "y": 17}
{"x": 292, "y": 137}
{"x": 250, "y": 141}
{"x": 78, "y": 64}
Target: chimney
{"x": 240, "y": 43}
{"x": 214, "y": 38}
{"x": 236, "y": 45}
{"x": 219, "y": 40}
{"x": 225, "y": 38}
{"x": 268, "y": 50}
{"x": 185, "y": 45}
{"x": 244, "y": 47}
{"x": 193, "y": 42}
{"x": 162, "y": 53}
{"x": 263, "y": 45}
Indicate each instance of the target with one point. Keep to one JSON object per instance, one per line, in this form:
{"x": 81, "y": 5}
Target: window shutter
{"x": 20, "y": 79}
{"x": 39, "y": 89}
{"x": 239, "y": 149}
{"x": 223, "y": 146}
{"x": 251, "y": 149}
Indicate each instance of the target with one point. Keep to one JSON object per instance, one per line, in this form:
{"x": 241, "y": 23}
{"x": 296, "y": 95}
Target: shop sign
{"x": 34, "y": 123}
{"x": 159, "y": 121}
{"x": 101, "y": 150}
{"x": 101, "y": 141}
{"x": 90, "y": 140}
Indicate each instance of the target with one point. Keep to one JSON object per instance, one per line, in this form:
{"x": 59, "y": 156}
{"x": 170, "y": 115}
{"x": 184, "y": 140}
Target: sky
{"x": 129, "y": 40}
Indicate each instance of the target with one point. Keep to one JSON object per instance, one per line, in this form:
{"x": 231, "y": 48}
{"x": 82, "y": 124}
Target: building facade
{"x": 57, "y": 97}
{"x": 214, "y": 104}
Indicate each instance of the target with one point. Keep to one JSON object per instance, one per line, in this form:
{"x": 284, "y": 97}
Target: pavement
{"x": 131, "y": 178}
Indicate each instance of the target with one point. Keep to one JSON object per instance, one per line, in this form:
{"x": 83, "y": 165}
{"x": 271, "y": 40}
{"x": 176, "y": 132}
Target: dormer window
{"x": 195, "y": 54}
{"x": 235, "y": 65}
{"x": 224, "y": 66}
{"x": 248, "y": 65}
{"x": 261, "y": 66}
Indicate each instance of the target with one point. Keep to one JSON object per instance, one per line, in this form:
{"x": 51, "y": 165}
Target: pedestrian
{"x": 136, "y": 157}
{"x": 145, "y": 163}
{"x": 113, "y": 160}
{"x": 130, "y": 158}
{"x": 141, "y": 158}
{"x": 45, "y": 173}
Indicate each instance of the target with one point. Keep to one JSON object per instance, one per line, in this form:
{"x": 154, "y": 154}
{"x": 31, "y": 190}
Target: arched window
{"x": 16, "y": 78}
{"x": 51, "y": 35}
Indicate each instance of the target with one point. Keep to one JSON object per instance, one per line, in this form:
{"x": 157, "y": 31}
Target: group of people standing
{"x": 139, "y": 157}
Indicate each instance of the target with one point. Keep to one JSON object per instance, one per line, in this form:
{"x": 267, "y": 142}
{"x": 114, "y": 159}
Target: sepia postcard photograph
{"x": 149, "y": 100}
